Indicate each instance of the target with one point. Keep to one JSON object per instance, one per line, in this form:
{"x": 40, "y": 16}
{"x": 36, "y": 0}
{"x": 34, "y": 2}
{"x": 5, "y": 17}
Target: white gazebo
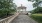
{"x": 21, "y": 9}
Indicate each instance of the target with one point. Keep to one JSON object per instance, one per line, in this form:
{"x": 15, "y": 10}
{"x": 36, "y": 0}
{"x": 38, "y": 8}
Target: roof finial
{"x": 21, "y": 5}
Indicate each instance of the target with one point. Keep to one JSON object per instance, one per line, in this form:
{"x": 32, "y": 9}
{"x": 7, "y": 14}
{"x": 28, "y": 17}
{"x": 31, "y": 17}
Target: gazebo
{"x": 21, "y": 8}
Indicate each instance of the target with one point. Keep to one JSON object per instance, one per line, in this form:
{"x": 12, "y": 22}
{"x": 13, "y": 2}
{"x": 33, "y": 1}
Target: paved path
{"x": 23, "y": 19}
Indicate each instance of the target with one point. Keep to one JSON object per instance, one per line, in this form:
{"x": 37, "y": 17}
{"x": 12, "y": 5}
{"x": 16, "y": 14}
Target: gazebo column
{"x": 22, "y": 10}
{"x": 25, "y": 10}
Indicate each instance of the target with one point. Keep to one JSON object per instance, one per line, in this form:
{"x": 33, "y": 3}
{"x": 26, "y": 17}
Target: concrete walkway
{"x": 23, "y": 19}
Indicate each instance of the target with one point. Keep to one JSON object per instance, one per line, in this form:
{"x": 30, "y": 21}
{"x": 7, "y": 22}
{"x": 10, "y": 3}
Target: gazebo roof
{"x": 21, "y": 7}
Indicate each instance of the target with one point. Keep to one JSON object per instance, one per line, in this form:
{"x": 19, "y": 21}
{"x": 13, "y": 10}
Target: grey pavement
{"x": 23, "y": 19}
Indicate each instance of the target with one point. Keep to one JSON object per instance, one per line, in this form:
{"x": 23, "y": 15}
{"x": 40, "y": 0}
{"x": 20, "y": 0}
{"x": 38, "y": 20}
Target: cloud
{"x": 24, "y": 3}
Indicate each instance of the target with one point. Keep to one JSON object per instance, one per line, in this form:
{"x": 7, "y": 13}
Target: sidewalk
{"x": 23, "y": 19}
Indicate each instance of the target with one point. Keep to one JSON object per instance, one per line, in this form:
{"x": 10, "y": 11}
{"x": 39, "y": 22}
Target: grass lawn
{"x": 37, "y": 17}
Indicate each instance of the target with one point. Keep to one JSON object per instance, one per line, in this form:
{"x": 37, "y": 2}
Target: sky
{"x": 24, "y": 3}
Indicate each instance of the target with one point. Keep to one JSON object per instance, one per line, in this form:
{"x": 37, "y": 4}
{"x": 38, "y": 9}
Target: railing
{"x": 9, "y": 19}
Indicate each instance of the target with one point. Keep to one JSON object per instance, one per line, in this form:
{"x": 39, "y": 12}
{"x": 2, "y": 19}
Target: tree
{"x": 37, "y": 5}
{"x": 6, "y": 7}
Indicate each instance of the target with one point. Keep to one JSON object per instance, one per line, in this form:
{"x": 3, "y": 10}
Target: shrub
{"x": 5, "y": 12}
